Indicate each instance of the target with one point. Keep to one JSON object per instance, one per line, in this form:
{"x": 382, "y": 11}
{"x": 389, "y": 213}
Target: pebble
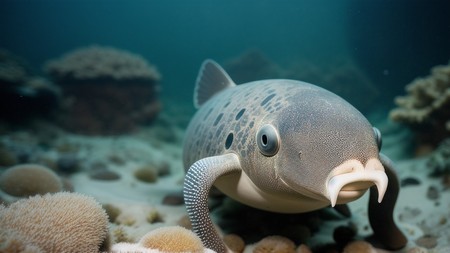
{"x": 409, "y": 181}
{"x": 104, "y": 174}
{"x": 427, "y": 241}
{"x": 173, "y": 200}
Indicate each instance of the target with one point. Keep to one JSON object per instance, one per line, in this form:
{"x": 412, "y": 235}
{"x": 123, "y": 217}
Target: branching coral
{"x": 63, "y": 222}
{"x": 106, "y": 90}
{"x": 426, "y": 107}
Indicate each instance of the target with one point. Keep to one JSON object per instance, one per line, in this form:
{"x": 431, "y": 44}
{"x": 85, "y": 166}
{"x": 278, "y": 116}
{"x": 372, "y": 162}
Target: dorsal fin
{"x": 211, "y": 79}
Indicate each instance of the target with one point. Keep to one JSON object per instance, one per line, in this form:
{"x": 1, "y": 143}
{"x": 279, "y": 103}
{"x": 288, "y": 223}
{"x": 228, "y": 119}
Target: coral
{"x": 234, "y": 243}
{"x": 121, "y": 236}
{"x": 106, "y": 91}
{"x": 439, "y": 161}
{"x": 25, "y": 180}
{"x": 359, "y": 247}
{"x": 125, "y": 247}
{"x": 303, "y": 249}
{"x": 61, "y": 222}
{"x": 147, "y": 174}
{"x": 22, "y": 95}
{"x": 426, "y": 107}
{"x": 11, "y": 242}
{"x": 172, "y": 239}
{"x": 99, "y": 62}
{"x": 153, "y": 216}
{"x": 275, "y": 244}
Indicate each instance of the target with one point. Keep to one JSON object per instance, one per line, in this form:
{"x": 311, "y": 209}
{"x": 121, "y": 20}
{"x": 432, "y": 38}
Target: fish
{"x": 284, "y": 146}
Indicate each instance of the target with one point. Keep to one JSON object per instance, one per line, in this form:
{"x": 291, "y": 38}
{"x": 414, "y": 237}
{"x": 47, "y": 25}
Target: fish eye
{"x": 268, "y": 140}
{"x": 378, "y": 137}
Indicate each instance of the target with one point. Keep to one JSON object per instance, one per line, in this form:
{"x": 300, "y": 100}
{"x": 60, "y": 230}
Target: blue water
{"x": 394, "y": 41}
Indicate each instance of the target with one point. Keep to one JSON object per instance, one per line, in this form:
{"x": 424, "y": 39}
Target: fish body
{"x": 279, "y": 145}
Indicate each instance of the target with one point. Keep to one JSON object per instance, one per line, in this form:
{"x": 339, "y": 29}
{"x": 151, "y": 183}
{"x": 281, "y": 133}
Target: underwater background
{"x": 96, "y": 95}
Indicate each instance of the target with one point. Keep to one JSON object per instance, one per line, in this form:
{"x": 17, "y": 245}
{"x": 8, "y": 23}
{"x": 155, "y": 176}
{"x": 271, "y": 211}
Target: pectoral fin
{"x": 381, "y": 214}
{"x": 197, "y": 184}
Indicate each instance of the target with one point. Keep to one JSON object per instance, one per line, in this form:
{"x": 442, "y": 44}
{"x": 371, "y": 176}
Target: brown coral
{"x": 275, "y": 244}
{"x": 426, "y": 107}
{"x": 172, "y": 239}
{"x": 25, "y": 180}
{"x": 107, "y": 90}
{"x": 62, "y": 222}
{"x": 359, "y": 247}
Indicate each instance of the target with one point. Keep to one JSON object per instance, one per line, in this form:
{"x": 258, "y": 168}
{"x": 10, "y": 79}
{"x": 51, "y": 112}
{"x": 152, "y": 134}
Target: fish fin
{"x": 211, "y": 79}
{"x": 381, "y": 215}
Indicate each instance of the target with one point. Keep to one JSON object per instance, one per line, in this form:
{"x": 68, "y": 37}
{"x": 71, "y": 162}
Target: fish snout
{"x": 351, "y": 179}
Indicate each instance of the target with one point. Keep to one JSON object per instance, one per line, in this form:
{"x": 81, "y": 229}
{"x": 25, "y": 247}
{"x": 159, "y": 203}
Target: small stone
{"x": 427, "y": 241}
{"x": 146, "y": 174}
{"x": 173, "y": 200}
{"x": 432, "y": 193}
{"x": 104, "y": 174}
{"x": 409, "y": 181}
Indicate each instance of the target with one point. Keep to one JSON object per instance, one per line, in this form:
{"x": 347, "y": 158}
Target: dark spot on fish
{"x": 227, "y": 104}
{"x": 218, "y": 119}
{"x": 243, "y": 153}
{"x": 239, "y": 115}
{"x": 267, "y": 99}
{"x": 229, "y": 141}
{"x": 251, "y": 124}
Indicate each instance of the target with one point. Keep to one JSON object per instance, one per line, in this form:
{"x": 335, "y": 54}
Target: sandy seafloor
{"x": 423, "y": 216}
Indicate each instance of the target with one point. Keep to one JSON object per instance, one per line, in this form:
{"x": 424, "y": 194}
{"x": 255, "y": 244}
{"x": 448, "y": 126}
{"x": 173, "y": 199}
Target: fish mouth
{"x": 351, "y": 179}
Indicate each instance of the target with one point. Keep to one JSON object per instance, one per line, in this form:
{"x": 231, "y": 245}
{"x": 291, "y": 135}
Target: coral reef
{"x": 426, "y": 107}
{"x": 25, "y": 180}
{"x": 23, "y": 95}
{"x": 106, "y": 90}
{"x": 62, "y": 222}
{"x": 439, "y": 160}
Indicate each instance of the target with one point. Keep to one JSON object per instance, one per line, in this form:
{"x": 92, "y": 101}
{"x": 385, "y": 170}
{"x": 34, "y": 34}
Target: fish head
{"x": 323, "y": 148}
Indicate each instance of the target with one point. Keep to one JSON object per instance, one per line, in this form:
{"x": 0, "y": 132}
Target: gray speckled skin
{"x": 318, "y": 132}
